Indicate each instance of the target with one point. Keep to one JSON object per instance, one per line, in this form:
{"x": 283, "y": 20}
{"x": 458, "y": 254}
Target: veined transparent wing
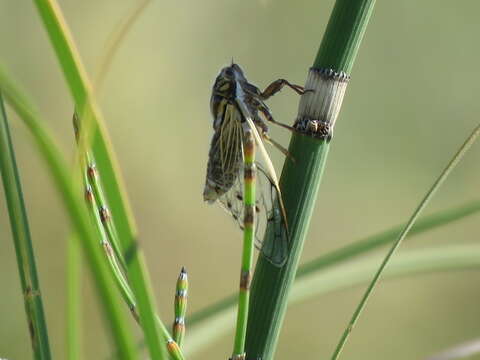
{"x": 268, "y": 215}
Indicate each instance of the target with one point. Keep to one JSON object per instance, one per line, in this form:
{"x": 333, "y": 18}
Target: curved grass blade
{"x": 428, "y": 196}
{"x": 155, "y": 332}
{"x": 205, "y": 318}
{"x": 23, "y": 243}
{"x": 343, "y": 276}
{"x": 78, "y": 216}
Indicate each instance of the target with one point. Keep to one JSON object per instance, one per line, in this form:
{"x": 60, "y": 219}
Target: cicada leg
{"x": 277, "y": 85}
{"x": 284, "y": 151}
{"x": 266, "y": 112}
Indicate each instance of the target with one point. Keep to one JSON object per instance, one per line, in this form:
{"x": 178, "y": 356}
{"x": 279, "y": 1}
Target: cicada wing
{"x": 232, "y": 202}
{"x": 272, "y": 224}
{"x": 271, "y": 235}
{"x": 269, "y": 209}
{"x": 225, "y": 158}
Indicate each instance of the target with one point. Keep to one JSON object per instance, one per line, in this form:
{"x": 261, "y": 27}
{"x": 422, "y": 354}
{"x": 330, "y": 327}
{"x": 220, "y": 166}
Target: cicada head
{"x": 223, "y": 91}
{"x": 226, "y": 81}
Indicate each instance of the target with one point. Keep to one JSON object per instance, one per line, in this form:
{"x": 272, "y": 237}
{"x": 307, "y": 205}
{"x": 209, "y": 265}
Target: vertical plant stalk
{"x": 248, "y": 242}
{"x": 180, "y": 307}
{"x": 94, "y": 195}
{"x": 114, "y": 267}
{"x": 433, "y": 189}
{"x": 300, "y": 180}
{"x": 78, "y": 215}
{"x": 73, "y": 299}
{"x": 155, "y": 332}
{"x": 354, "y": 249}
{"x": 102, "y": 218}
{"x": 23, "y": 243}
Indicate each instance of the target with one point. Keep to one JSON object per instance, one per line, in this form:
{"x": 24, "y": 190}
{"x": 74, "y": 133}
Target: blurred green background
{"x": 411, "y": 102}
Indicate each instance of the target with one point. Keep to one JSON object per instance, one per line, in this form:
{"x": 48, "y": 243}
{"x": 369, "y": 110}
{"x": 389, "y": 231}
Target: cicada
{"x": 238, "y": 106}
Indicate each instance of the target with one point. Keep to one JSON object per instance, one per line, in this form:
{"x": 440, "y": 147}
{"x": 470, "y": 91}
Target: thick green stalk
{"x": 299, "y": 183}
{"x": 78, "y": 215}
{"x": 23, "y": 243}
{"x": 73, "y": 299}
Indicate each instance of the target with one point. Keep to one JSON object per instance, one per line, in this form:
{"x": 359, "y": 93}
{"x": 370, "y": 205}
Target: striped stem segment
{"x": 93, "y": 179}
{"x": 119, "y": 277}
{"x": 248, "y": 242}
{"x": 98, "y": 206}
{"x": 178, "y": 330}
{"x": 102, "y": 219}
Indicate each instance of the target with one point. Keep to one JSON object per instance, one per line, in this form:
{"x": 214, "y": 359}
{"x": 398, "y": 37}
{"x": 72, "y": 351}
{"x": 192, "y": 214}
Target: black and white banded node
{"x": 319, "y": 108}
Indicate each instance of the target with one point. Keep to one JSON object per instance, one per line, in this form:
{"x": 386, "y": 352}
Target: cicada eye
{"x": 229, "y": 72}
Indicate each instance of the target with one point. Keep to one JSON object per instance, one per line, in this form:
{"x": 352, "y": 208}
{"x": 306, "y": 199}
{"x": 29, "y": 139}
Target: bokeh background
{"x": 412, "y": 100}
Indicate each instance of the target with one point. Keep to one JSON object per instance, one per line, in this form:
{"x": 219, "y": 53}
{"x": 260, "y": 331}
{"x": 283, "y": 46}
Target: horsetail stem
{"x": 248, "y": 242}
{"x": 180, "y": 306}
{"x": 94, "y": 194}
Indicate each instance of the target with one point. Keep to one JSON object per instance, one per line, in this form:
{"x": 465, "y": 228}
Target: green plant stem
{"x": 356, "y": 248}
{"x": 438, "y": 182}
{"x": 114, "y": 267}
{"x": 248, "y": 244}
{"x": 73, "y": 299}
{"x": 78, "y": 215}
{"x": 80, "y": 88}
{"x": 345, "y": 276}
{"x": 299, "y": 184}
{"x": 95, "y": 201}
{"x": 23, "y": 243}
{"x": 180, "y": 307}
{"x": 81, "y": 91}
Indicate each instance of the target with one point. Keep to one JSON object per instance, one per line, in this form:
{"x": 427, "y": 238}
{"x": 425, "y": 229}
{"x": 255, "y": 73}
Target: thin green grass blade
{"x": 113, "y": 43}
{"x": 73, "y": 317}
{"x": 362, "y": 246}
{"x": 344, "y": 276}
{"x": 80, "y": 88}
{"x": 78, "y": 215}
{"x": 299, "y": 185}
{"x": 206, "y": 318}
{"x": 431, "y": 192}
{"x": 23, "y": 243}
